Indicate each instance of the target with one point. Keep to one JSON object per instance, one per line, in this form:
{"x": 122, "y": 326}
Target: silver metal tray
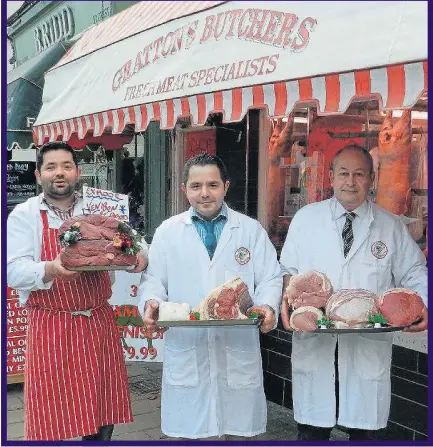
{"x": 363, "y": 330}
{"x": 100, "y": 268}
{"x": 207, "y": 323}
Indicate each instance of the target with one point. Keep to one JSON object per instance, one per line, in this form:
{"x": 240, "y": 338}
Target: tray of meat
{"x": 230, "y": 304}
{"x": 360, "y": 330}
{"x": 210, "y": 323}
{"x": 97, "y": 243}
{"x": 99, "y": 268}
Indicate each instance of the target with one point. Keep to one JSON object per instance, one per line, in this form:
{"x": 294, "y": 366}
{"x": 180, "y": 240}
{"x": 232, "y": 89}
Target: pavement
{"x": 145, "y": 385}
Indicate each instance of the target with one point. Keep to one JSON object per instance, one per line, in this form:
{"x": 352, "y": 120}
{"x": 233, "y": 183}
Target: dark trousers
{"x": 104, "y": 434}
{"x": 311, "y": 433}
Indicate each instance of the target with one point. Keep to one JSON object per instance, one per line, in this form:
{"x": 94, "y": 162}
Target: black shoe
{"x": 312, "y": 433}
{"x": 357, "y": 434}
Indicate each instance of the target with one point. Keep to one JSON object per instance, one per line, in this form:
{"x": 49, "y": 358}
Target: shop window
{"x": 300, "y": 152}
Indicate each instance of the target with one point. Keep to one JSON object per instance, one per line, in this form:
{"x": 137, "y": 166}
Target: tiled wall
{"x": 408, "y": 417}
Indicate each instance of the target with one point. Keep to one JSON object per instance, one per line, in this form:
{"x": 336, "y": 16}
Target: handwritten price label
{"x": 106, "y": 203}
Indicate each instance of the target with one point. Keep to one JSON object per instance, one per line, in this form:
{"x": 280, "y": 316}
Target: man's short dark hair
{"x": 205, "y": 160}
{"x": 54, "y": 146}
{"x": 355, "y": 147}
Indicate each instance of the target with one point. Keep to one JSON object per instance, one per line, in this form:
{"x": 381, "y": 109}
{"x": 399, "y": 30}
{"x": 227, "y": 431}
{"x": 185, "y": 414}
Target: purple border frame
{"x": 5, "y": 442}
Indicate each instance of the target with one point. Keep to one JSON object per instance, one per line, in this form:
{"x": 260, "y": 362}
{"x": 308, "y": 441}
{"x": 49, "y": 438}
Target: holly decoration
{"x": 127, "y": 239}
{"x": 195, "y": 316}
{"x": 324, "y": 322}
{"x": 70, "y": 236}
{"x": 378, "y": 318}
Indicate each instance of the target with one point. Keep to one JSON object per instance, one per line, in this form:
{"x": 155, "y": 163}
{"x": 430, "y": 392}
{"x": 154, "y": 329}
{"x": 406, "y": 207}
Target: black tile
{"x": 409, "y": 375}
{"x": 409, "y": 414}
{"x": 409, "y": 390}
{"x": 404, "y": 358}
{"x": 395, "y": 432}
{"x": 285, "y": 335}
{"x": 280, "y": 346}
{"x": 420, "y": 437}
{"x": 267, "y": 341}
{"x": 287, "y": 402}
{"x": 422, "y": 363}
{"x": 264, "y": 359}
{"x": 280, "y": 365}
{"x": 274, "y": 387}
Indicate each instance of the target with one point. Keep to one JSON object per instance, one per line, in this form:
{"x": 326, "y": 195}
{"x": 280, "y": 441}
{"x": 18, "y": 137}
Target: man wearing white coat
{"x": 212, "y": 381}
{"x": 378, "y": 254}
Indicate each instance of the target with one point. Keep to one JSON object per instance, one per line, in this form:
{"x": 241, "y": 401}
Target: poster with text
{"x": 16, "y": 328}
{"x": 139, "y": 344}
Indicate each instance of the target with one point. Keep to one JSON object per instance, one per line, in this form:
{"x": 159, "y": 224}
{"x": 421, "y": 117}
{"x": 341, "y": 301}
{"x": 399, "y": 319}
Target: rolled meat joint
{"x": 351, "y": 307}
{"x": 229, "y": 301}
{"x": 96, "y": 240}
{"x": 311, "y": 288}
{"x": 304, "y": 318}
{"x": 401, "y": 307}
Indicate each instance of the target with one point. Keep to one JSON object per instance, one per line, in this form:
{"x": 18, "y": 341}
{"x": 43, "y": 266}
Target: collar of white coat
{"x": 232, "y": 217}
{"x": 339, "y": 211}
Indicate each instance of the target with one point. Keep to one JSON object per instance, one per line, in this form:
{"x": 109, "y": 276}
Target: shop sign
{"x": 58, "y": 26}
{"x": 273, "y": 30}
{"x": 16, "y": 327}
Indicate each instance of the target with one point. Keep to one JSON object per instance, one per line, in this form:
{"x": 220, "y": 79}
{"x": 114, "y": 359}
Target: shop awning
{"x": 235, "y": 56}
{"x": 25, "y": 84}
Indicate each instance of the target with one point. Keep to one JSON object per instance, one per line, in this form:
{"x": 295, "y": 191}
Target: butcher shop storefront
{"x": 275, "y": 93}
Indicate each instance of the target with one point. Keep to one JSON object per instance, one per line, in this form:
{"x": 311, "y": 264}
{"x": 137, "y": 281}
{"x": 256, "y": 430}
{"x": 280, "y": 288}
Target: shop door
{"x": 156, "y": 177}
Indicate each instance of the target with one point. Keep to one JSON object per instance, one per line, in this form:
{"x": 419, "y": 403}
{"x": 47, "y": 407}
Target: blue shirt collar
{"x": 221, "y": 215}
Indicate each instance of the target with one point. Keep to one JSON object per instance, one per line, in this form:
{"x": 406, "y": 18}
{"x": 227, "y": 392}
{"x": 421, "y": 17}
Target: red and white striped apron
{"x": 75, "y": 375}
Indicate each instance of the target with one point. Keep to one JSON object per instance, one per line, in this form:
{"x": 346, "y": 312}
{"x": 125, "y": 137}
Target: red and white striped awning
{"x": 140, "y": 17}
{"x": 396, "y": 87}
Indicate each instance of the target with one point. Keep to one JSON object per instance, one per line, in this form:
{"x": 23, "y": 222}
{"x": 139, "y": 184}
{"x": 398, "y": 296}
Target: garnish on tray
{"x": 195, "y": 316}
{"x": 377, "y": 319}
{"x": 324, "y": 322}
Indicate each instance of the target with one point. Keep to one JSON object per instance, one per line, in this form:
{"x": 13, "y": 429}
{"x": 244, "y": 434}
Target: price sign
{"x": 107, "y": 203}
{"x": 16, "y": 328}
{"x": 139, "y": 343}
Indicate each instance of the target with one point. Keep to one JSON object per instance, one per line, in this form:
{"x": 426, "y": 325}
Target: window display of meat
{"x": 278, "y": 144}
{"x": 401, "y": 307}
{"x": 98, "y": 241}
{"x": 304, "y": 319}
{"x": 351, "y": 307}
{"x": 394, "y": 185}
{"x": 229, "y": 301}
{"x": 311, "y": 288}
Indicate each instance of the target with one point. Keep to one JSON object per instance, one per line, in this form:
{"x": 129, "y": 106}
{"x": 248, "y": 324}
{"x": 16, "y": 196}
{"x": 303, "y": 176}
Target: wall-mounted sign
{"x": 20, "y": 180}
{"x": 57, "y": 27}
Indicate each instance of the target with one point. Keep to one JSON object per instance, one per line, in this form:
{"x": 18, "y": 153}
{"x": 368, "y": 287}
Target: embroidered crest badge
{"x": 379, "y": 249}
{"x": 242, "y": 255}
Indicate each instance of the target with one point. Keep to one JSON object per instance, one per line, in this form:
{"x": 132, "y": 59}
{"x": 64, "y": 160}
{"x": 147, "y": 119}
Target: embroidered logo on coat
{"x": 379, "y": 249}
{"x": 242, "y": 255}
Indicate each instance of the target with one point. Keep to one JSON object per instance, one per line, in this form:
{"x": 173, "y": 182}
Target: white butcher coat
{"x": 314, "y": 242}
{"x": 212, "y": 380}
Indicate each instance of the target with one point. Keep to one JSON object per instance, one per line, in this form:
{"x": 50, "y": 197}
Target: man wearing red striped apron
{"x": 76, "y": 382}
